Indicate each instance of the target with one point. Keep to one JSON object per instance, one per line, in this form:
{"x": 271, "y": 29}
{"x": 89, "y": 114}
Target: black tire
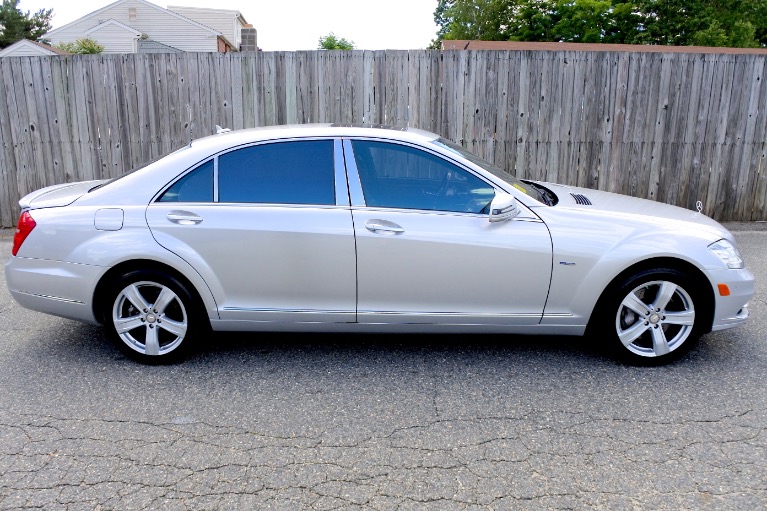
{"x": 152, "y": 317}
{"x": 651, "y": 318}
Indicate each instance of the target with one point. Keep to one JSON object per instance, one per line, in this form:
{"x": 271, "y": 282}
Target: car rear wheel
{"x": 654, "y": 317}
{"x": 152, "y": 316}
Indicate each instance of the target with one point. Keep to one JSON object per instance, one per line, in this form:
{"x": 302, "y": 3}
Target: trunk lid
{"x": 57, "y": 195}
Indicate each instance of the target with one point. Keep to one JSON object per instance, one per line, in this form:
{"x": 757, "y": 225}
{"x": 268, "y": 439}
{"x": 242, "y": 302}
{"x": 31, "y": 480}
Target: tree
{"x": 738, "y": 23}
{"x": 16, "y": 25}
{"x": 332, "y": 42}
{"x": 487, "y": 20}
{"x": 441, "y": 18}
{"x": 83, "y": 46}
{"x": 734, "y": 23}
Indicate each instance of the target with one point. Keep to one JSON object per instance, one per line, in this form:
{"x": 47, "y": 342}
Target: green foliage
{"x": 443, "y": 21}
{"x": 16, "y": 25}
{"x": 332, "y": 42}
{"x": 582, "y": 21}
{"x": 84, "y": 46}
{"x": 487, "y": 20}
{"x": 736, "y": 23}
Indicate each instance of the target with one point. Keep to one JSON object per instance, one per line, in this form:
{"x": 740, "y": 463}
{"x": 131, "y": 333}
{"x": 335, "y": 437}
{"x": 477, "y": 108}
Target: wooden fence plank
{"x": 9, "y": 173}
{"x": 758, "y": 199}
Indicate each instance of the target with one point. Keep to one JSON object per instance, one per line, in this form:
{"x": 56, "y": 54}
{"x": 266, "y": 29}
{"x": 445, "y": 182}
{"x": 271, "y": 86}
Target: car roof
{"x": 246, "y": 136}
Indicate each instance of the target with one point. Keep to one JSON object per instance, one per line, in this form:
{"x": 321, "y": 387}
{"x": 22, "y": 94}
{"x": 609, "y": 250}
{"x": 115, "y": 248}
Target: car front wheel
{"x": 152, "y": 316}
{"x": 654, "y": 316}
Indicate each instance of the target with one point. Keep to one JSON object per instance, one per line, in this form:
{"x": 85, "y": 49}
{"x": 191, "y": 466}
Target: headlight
{"x": 728, "y": 253}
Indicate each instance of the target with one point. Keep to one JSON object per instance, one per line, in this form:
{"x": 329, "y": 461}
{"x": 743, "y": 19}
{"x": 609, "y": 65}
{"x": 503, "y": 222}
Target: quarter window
{"x": 196, "y": 186}
{"x": 299, "y": 172}
{"x": 399, "y": 176}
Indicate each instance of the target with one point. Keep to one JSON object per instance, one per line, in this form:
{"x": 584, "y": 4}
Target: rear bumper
{"x": 731, "y": 311}
{"x": 54, "y": 287}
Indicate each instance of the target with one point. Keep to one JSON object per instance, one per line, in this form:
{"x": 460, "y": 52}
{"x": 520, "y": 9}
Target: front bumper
{"x": 731, "y": 311}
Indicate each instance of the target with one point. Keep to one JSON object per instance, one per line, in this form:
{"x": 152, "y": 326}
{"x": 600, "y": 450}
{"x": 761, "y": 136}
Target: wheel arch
{"x": 103, "y": 287}
{"x": 704, "y": 286}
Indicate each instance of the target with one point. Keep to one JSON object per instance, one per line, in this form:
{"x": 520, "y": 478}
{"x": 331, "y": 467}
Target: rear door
{"x": 268, "y": 227}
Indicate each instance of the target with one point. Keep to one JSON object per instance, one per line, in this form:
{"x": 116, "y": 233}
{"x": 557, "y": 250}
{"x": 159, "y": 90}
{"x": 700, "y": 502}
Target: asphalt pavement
{"x": 379, "y": 422}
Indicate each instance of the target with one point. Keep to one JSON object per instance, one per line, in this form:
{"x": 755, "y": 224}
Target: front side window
{"x": 296, "y": 172}
{"x": 535, "y": 191}
{"x": 398, "y": 176}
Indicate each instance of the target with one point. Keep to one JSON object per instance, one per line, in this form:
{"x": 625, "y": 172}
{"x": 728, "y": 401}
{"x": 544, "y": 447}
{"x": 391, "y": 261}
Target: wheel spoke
{"x": 177, "y": 328}
{"x": 659, "y": 342}
{"x": 633, "y": 302}
{"x": 680, "y": 318}
{"x": 666, "y": 292}
{"x": 632, "y": 333}
{"x": 163, "y": 300}
{"x": 134, "y": 296}
{"x": 151, "y": 342}
{"x": 123, "y": 325}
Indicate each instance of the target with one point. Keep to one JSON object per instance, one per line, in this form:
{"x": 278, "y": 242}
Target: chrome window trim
{"x": 436, "y": 212}
{"x": 355, "y": 186}
{"x": 215, "y": 179}
{"x": 358, "y": 197}
{"x": 342, "y": 188}
{"x": 216, "y": 156}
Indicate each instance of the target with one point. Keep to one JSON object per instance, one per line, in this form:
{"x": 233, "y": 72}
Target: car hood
{"x": 57, "y": 195}
{"x": 640, "y": 210}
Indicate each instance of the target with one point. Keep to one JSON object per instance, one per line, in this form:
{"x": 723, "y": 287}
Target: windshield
{"x": 527, "y": 188}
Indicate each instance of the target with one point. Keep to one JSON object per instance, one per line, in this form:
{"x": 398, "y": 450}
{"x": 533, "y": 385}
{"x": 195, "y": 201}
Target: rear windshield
{"x": 131, "y": 171}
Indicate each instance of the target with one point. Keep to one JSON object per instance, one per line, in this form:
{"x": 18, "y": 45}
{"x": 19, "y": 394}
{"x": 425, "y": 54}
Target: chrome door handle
{"x": 383, "y": 227}
{"x": 184, "y": 218}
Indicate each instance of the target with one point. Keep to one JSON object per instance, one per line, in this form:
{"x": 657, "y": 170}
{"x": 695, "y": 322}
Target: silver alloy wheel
{"x": 150, "y": 318}
{"x": 655, "y": 318}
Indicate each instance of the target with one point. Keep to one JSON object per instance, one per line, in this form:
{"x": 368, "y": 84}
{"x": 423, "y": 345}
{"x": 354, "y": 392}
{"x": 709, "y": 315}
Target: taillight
{"x": 26, "y": 224}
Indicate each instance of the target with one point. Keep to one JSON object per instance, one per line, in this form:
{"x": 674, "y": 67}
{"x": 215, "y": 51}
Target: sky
{"x": 287, "y": 25}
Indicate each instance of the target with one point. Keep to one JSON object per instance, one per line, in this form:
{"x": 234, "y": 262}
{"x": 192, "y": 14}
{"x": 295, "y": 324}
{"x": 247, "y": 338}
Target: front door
{"x": 426, "y": 252}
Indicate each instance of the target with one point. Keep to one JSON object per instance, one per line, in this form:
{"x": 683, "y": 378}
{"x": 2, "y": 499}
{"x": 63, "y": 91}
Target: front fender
{"x": 590, "y": 255}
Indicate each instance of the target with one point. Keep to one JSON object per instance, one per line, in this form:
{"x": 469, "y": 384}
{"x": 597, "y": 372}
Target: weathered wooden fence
{"x": 667, "y": 126}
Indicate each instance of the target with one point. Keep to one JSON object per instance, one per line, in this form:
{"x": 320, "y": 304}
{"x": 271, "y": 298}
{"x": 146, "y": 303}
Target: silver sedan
{"x": 352, "y": 228}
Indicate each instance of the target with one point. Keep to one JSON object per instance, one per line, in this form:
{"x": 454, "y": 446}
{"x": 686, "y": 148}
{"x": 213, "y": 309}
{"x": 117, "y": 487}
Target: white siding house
{"x": 27, "y": 48}
{"x": 119, "y": 25}
{"x": 229, "y": 23}
{"x": 114, "y": 36}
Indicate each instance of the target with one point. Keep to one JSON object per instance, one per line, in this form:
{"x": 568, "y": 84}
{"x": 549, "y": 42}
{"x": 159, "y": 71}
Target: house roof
{"x": 145, "y": 2}
{"x": 237, "y": 14}
{"x": 521, "y": 46}
{"x": 44, "y": 48}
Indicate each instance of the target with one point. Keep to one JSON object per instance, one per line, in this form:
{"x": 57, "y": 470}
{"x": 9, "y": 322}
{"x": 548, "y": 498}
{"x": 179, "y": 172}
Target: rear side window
{"x": 298, "y": 172}
{"x": 197, "y": 186}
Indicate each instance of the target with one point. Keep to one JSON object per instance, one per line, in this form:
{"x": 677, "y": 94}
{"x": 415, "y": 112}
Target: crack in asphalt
{"x": 441, "y": 464}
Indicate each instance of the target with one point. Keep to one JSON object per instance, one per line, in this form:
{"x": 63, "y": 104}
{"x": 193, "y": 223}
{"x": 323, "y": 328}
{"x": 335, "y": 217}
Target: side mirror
{"x": 503, "y": 207}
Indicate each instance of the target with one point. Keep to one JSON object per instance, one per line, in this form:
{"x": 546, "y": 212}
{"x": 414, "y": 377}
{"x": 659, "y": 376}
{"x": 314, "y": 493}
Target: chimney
{"x": 248, "y": 41}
